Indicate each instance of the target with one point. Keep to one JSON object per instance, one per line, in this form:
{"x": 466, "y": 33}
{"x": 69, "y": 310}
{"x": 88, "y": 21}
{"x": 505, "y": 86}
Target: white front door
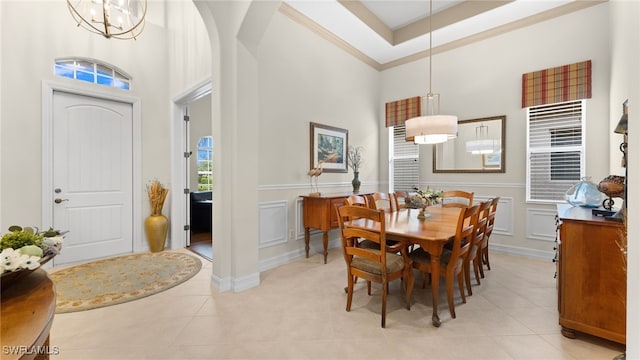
{"x": 92, "y": 176}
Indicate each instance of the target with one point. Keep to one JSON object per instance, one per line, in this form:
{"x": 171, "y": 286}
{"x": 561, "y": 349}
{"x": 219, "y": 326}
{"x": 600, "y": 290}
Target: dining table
{"x": 430, "y": 233}
{"x": 27, "y": 307}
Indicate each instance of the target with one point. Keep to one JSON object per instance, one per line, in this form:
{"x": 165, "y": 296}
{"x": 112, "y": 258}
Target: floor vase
{"x": 156, "y": 226}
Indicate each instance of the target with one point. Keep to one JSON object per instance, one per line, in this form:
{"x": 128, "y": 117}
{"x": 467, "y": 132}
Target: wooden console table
{"x": 592, "y": 283}
{"x": 27, "y": 310}
{"x": 319, "y": 213}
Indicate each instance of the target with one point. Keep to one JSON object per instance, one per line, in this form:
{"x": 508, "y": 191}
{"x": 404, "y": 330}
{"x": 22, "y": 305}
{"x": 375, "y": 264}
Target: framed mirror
{"x": 479, "y": 148}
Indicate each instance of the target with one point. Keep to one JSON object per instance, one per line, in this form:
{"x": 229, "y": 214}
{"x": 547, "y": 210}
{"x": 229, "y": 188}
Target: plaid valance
{"x": 563, "y": 83}
{"x": 399, "y": 111}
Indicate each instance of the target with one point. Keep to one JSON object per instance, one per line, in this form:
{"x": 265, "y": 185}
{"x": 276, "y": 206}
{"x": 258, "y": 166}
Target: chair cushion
{"x": 368, "y": 244}
{"x": 394, "y": 264}
{"x": 449, "y": 245}
{"x": 420, "y": 256}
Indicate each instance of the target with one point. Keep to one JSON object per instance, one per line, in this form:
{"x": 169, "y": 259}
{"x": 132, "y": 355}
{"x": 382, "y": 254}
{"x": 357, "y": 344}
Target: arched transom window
{"x": 92, "y": 71}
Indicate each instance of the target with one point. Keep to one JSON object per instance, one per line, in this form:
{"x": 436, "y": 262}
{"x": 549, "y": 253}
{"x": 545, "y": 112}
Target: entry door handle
{"x": 58, "y": 200}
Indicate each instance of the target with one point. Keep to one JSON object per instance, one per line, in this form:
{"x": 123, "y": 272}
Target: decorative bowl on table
{"x": 422, "y": 199}
{"x": 8, "y": 278}
{"x": 24, "y": 250}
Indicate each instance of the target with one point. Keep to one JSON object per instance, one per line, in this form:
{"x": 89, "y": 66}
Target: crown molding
{"x": 409, "y": 31}
{"x": 324, "y": 33}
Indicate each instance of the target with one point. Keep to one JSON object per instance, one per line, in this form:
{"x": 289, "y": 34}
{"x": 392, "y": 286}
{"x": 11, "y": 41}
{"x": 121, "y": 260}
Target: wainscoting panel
{"x": 504, "y": 215}
{"x": 541, "y": 224}
{"x": 272, "y": 223}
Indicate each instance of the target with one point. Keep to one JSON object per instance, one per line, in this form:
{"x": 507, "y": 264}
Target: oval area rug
{"x": 120, "y": 279}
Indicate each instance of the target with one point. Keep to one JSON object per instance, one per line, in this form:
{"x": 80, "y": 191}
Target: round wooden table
{"x": 27, "y": 308}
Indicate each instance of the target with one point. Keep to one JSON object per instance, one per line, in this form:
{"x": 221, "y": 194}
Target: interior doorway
{"x": 191, "y": 108}
{"x": 199, "y": 176}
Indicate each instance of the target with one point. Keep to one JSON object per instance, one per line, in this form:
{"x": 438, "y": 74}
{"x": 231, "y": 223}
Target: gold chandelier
{"x": 119, "y": 19}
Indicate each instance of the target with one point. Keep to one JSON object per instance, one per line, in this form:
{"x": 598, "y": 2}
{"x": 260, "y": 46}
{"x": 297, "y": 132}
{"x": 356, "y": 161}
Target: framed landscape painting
{"x": 328, "y": 145}
{"x": 491, "y": 160}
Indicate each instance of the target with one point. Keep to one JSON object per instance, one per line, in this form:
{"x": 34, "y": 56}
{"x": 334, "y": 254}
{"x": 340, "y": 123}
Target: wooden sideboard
{"x": 27, "y": 308}
{"x": 319, "y": 213}
{"x": 592, "y": 282}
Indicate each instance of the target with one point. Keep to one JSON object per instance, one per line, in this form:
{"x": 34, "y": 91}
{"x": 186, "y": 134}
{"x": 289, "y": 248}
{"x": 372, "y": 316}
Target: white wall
{"x": 27, "y": 59}
{"x": 484, "y": 79}
{"x": 274, "y": 77}
{"x": 303, "y": 78}
{"x": 189, "y": 52}
{"x": 236, "y": 138}
{"x": 625, "y": 84}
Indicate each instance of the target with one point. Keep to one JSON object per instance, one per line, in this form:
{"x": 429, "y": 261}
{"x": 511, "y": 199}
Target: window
{"x": 555, "y": 149}
{"x": 404, "y": 168}
{"x": 205, "y": 164}
{"x": 92, "y": 71}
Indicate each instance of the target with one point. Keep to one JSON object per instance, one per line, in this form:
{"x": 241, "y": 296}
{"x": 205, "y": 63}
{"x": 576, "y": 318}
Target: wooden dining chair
{"x": 380, "y": 200}
{"x": 451, "y": 261}
{"x": 357, "y": 200}
{"x": 474, "y": 258}
{"x": 457, "y": 198}
{"x": 484, "y": 246}
{"x": 360, "y": 200}
{"x": 399, "y": 199}
{"x": 393, "y": 201}
{"x": 381, "y": 265}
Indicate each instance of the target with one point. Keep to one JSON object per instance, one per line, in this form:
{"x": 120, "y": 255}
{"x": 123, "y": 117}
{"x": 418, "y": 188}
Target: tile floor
{"x": 298, "y": 312}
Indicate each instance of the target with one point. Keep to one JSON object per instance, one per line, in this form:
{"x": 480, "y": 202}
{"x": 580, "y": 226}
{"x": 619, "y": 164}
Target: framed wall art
{"x": 491, "y": 160}
{"x": 328, "y": 145}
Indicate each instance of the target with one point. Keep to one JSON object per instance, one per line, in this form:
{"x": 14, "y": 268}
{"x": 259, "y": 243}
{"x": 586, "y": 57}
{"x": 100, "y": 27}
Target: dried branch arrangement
{"x": 355, "y": 157}
{"x": 157, "y": 195}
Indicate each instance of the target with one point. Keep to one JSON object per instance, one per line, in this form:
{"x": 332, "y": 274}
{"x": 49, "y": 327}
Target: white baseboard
{"x": 235, "y": 284}
{"x": 245, "y": 282}
{"x": 274, "y": 262}
{"x": 223, "y": 285}
{"x": 515, "y": 250}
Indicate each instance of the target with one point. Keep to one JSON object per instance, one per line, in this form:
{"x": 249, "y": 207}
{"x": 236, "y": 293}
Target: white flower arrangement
{"x": 54, "y": 241}
{"x": 13, "y": 260}
{"x": 25, "y": 248}
{"x": 423, "y": 198}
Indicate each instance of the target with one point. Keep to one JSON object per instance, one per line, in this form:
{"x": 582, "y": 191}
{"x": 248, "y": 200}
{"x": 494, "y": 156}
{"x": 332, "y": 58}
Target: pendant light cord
{"x": 430, "y": 42}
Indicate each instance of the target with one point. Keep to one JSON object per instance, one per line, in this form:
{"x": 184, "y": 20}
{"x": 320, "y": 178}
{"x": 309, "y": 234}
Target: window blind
{"x": 406, "y": 172}
{"x": 555, "y": 149}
